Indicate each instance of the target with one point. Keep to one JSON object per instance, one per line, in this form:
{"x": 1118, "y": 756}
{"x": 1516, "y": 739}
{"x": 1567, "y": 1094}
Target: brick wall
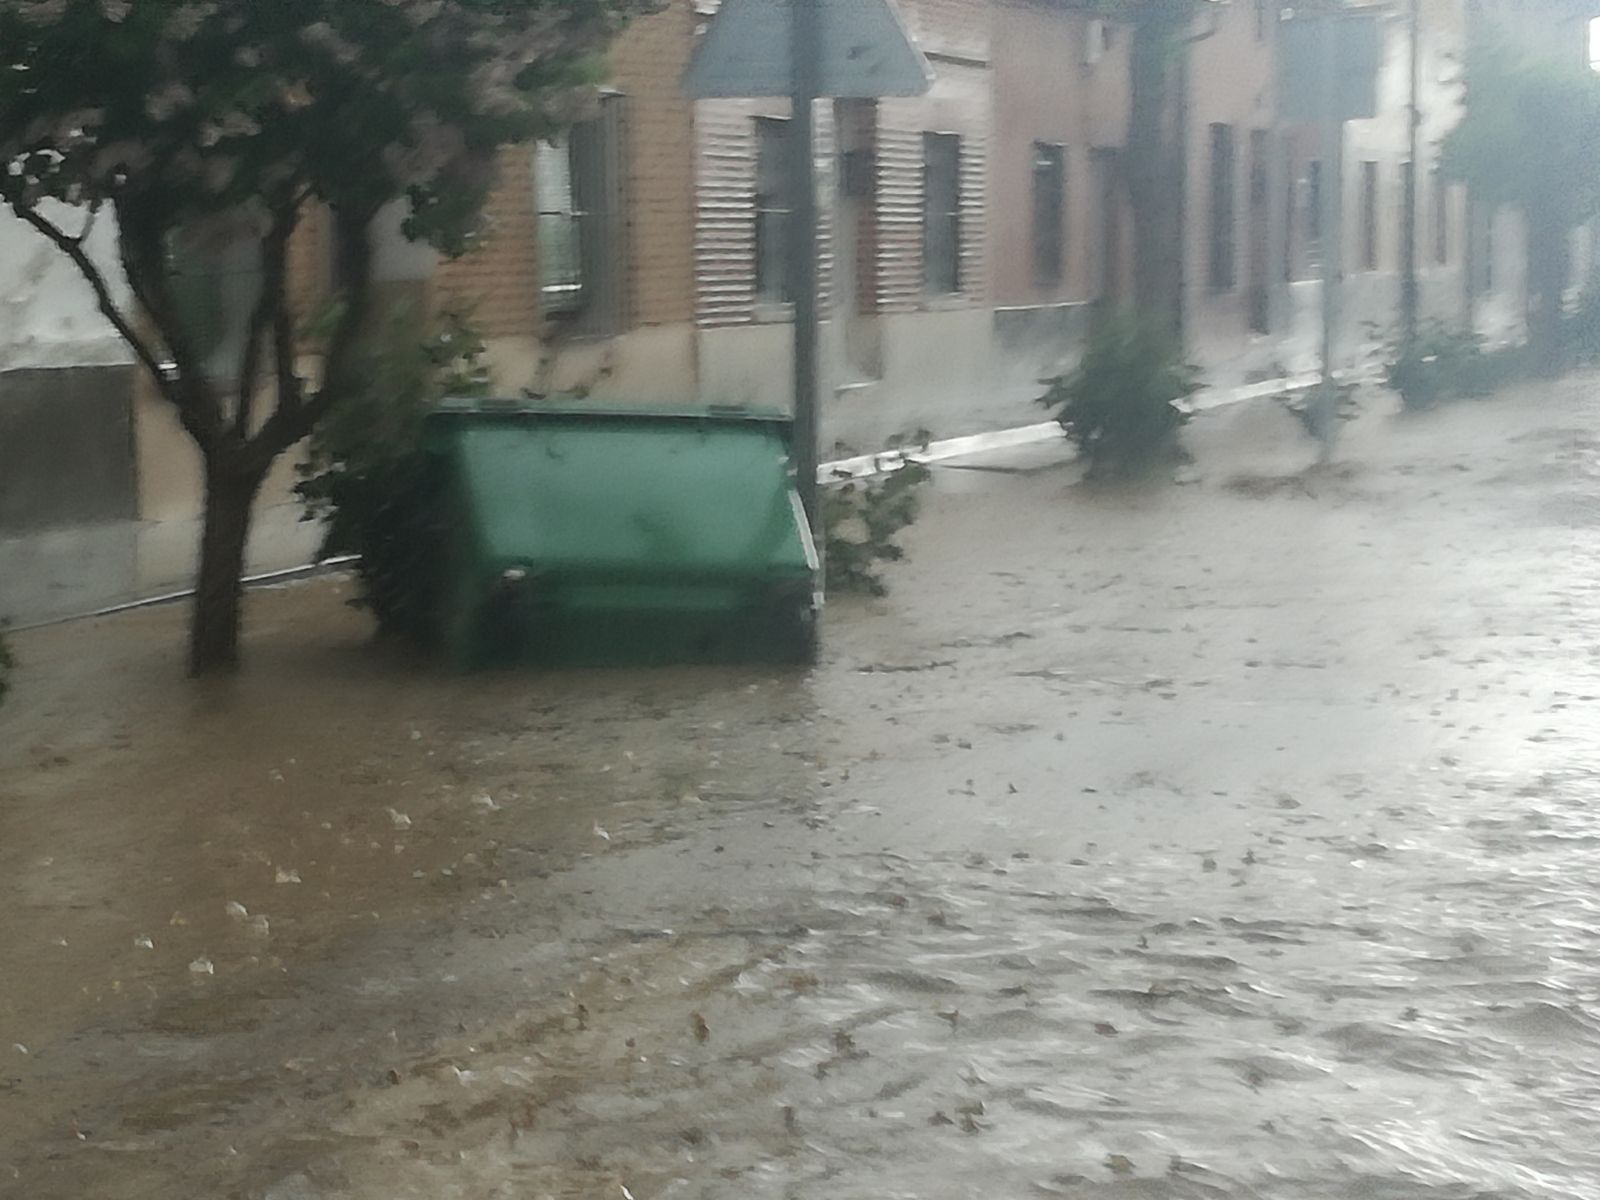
{"x": 500, "y": 278}
{"x": 1049, "y": 88}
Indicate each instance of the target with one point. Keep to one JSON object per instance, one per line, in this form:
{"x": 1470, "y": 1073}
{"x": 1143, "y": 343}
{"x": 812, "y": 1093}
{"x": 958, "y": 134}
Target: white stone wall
{"x": 48, "y": 315}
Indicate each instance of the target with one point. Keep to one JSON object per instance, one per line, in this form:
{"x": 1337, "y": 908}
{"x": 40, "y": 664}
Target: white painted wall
{"x": 48, "y": 315}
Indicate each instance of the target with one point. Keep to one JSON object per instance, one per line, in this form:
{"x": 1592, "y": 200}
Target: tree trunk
{"x": 231, "y": 488}
{"x": 1547, "y": 284}
{"x": 1153, "y": 167}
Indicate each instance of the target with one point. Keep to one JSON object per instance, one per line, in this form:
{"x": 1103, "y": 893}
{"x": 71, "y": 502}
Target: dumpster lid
{"x": 594, "y": 493}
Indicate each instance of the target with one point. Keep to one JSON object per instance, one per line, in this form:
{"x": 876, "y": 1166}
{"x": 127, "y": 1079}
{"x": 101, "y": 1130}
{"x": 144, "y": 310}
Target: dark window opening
{"x": 772, "y": 211}
{"x": 1223, "y": 271}
{"x": 941, "y": 212}
{"x": 578, "y": 189}
{"x": 1049, "y": 213}
{"x": 1369, "y": 216}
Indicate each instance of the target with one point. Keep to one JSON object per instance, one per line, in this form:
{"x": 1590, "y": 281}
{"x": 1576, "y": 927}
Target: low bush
{"x": 1442, "y": 363}
{"x": 1121, "y": 405}
{"x": 370, "y": 481}
{"x": 864, "y": 519}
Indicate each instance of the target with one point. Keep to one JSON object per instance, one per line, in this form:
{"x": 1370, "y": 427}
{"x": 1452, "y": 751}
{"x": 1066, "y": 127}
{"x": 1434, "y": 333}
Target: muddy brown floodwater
{"x": 1238, "y": 839}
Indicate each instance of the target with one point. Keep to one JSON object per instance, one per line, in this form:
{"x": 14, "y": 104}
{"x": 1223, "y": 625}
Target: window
{"x": 1049, "y": 212}
{"x": 581, "y": 230}
{"x": 1369, "y": 216}
{"x": 772, "y": 211}
{"x": 1441, "y": 218}
{"x": 1223, "y": 218}
{"x": 1096, "y": 41}
{"x": 941, "y": 212}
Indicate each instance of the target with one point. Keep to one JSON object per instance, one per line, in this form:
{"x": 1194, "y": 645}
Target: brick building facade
{"x": 967, "y": 236}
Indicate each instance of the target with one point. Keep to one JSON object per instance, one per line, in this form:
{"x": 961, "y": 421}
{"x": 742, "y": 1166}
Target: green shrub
{"x": 369, "y": 479}
{"x": 864, "y": 519}
{"x": 1120, "y": 407}
{"x": 1443, "y": 363}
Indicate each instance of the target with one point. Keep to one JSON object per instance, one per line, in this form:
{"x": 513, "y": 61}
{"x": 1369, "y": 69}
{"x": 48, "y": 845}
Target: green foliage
{"x": 370, "y": 479}
{"x": 1530, "y": 133}
{"x": 1121, "y": 406}
{"x": 864, "y": 519}
{"x": 210, "y": 106}
{"x": 1441, "y": 363}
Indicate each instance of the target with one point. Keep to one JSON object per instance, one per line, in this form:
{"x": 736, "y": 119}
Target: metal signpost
{"x": 1341, "y": 52}
{"x": 806, "y": 50}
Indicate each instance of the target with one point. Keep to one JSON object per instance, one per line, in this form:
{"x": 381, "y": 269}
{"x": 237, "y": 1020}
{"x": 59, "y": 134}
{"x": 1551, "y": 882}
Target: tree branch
{"x": 295, "y": 417}
{"x": 72, "y": 247}
{"x": 143, "y": 242}
{"x": 274, "y": 281}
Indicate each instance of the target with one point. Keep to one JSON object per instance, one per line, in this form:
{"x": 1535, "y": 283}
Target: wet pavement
{"x": 1231, "y": 840}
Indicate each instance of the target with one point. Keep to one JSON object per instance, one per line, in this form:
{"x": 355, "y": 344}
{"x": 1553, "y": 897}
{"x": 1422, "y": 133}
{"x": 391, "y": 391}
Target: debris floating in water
{"x": 601, "y": 833}
{"x": 202, "y": 966}
{"x": 284, "y": 876}
{"x": 237, "y": 911}
{"x": 144, "y": 943}
{"x": 401, "y": 821}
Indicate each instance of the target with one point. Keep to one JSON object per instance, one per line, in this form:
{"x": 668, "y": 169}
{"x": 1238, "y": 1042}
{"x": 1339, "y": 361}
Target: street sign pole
{"x": 1332, "y": 229}
{"x": 805, "y": 71}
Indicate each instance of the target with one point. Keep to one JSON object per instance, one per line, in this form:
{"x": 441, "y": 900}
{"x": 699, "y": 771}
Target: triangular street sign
{"x": 866, "y": 52}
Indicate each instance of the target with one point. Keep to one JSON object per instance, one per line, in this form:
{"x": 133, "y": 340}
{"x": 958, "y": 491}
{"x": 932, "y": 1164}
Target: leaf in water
{"x": 601, "y": 833}
{"x": 1120, "y": 1164}
{"x": 1105, "y": 1029}
{"x": 939, "y": 1118}
{"x": 144, "y": 943}
{"x": 702, "y": 1031}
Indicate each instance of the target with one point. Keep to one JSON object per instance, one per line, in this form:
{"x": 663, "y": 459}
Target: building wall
{"x": 1233, "y": 82}
{"x": 652, "y": 358}
{"x": 882, "y": 327}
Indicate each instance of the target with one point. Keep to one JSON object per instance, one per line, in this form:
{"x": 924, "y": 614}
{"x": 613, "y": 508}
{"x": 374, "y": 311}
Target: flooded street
{"x": 1238, "y": 839}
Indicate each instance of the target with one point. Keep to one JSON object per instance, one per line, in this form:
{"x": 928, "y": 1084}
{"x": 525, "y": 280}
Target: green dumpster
{"x": 622, "y": 537}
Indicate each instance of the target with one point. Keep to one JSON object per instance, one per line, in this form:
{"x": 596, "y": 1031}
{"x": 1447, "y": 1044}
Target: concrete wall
{"x": 48, "y": 316}
{"x": 66, "y": 448}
